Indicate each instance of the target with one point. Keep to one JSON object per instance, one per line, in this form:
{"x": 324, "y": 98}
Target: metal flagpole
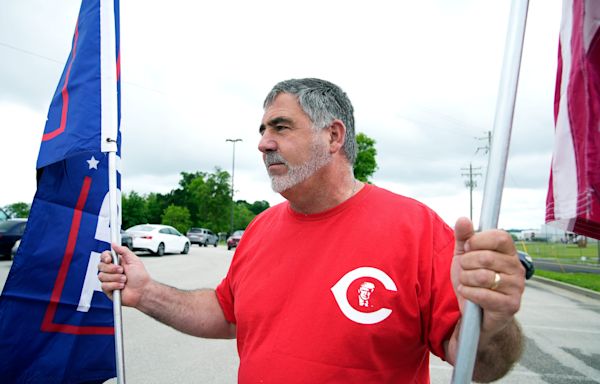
{"x": 110, "y": 129}
{"x": 494, "y": 181}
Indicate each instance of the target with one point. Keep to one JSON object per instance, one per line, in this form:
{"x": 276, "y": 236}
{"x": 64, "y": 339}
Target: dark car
{"x": 126, "y": 239}
{"x": 527, "y": 262}
{"x": 11, "y": 230}
{"x": 234, "y": 239}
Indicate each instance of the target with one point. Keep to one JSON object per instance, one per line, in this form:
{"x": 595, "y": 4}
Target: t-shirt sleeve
{"x": 225, "y": 297}
{"x": 444, "y": 310}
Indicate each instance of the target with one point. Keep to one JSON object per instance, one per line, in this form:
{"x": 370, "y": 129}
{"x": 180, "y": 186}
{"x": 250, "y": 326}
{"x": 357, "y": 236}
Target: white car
{"x": 158, "y": 239}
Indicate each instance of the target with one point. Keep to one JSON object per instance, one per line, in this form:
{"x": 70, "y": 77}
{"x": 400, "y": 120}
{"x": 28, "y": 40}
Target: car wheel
{"x": 186, "y": 249}
{"x": 161, "y": 249}
{"x": 229, "y": 247}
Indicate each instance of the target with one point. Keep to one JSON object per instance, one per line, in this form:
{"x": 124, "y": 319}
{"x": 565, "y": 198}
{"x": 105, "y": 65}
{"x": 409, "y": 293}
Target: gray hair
{"x": 323, "y": 102}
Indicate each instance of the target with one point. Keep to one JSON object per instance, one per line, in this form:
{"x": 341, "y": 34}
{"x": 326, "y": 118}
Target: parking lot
{"x": 563, "y": 338}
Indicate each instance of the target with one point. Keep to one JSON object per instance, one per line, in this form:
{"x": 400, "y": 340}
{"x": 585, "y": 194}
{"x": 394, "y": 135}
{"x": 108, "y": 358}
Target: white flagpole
{"x": 110, "y": 127}
{"x": 494, "y": 181}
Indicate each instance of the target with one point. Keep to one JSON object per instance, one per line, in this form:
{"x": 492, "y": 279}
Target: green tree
{"x": 205, "y": 196}
{"x": 135, "y": 210}
{"x": 18, "y": 210}
{"x": 209, "y": 199}
{"x": 155, "y": 206}
{"x": 178, "y": 217}
{"x": 242, "y": 216}
{"x": 259, "y": 206}
{"x": 365, "y": 164}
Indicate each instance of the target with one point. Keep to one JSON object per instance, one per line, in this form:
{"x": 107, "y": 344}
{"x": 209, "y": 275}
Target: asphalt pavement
{"x": 562, "y": 329}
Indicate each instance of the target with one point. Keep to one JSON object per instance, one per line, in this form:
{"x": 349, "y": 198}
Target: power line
{"x": 31, "y": 53}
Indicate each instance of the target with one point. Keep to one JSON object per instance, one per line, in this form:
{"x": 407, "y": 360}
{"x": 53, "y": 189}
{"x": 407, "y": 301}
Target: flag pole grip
{"x": 494, "y": 182}
{"x": 115, "y": 236}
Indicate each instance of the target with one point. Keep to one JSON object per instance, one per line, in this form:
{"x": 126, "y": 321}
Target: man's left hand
{"x": 486, "y": 270}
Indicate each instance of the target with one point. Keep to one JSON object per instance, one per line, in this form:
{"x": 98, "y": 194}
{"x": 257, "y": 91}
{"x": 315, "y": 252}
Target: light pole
{"x": 232, "y": 175}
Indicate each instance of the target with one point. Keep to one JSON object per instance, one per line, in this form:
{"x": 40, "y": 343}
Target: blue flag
{"x": 56, "y": 326}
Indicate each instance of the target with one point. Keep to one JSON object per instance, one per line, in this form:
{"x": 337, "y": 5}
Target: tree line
{"x": 203, "y": 199}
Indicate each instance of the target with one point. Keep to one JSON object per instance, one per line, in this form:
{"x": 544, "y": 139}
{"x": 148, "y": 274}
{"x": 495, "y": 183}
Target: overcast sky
{"x": 423, "y": 77}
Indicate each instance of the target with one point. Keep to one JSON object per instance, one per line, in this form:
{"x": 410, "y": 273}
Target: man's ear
{"x": 337, "y": 135}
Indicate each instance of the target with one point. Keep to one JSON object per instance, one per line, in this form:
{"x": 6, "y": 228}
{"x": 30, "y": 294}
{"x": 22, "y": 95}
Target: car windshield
{"x": 195, "y": 230}
{"x": 238, "y": 233}
{"x": 141, "y": 228}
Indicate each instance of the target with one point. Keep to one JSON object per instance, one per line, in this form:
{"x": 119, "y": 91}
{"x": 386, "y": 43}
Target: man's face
{"x": 364, "y": 292}
{"x": 292, "y": 150}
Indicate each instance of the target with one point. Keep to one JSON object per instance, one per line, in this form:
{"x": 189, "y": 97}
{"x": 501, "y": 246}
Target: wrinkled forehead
{"x": 284, "y": 106}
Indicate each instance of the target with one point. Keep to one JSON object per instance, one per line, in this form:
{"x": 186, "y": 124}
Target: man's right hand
{"x": 130, "y": 276}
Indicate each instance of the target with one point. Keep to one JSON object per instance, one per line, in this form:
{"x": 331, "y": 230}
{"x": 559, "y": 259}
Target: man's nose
{"x": 267, "y": 143}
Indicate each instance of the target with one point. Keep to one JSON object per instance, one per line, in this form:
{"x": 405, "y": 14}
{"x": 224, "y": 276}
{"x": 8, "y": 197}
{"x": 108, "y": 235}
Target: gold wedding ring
{"x": 496, "y": 282}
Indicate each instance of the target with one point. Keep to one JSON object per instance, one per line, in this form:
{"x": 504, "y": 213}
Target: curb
{"x": 568, "y": 287}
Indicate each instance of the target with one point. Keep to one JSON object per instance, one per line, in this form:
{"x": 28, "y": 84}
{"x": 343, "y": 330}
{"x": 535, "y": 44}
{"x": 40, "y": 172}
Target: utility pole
{"x": 471, "y": 184}
{"x": 232, "y": 176}
{"x": 488, "y": 137}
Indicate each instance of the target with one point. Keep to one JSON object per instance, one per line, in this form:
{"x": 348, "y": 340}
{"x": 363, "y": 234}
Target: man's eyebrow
{"x": 275, "y": 121}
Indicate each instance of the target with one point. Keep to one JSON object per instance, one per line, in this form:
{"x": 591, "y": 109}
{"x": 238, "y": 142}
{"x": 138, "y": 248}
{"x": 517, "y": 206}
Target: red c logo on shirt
{"x": 340, "y": 289}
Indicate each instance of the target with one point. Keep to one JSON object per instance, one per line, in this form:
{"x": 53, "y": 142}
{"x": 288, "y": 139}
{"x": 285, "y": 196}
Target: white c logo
{"x": 341, "y": 287}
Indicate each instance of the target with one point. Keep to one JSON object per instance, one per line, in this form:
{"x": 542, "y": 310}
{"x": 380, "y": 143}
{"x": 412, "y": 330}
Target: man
{"x": 290, "y": 294}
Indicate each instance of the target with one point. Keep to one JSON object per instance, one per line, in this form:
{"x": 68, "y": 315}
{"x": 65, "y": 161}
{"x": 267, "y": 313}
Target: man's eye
{"x": 280, "y": 127}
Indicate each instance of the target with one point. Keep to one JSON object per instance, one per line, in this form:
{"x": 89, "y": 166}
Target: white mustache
{"x": 274, "y": 158}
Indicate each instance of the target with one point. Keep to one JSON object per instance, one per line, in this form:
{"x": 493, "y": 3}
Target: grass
{"x": 585, "y": 280}
{"x": 566, "y": 254}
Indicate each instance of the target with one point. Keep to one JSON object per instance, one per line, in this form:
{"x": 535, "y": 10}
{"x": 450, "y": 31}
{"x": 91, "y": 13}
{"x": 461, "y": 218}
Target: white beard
{"x": 296, "y": 174}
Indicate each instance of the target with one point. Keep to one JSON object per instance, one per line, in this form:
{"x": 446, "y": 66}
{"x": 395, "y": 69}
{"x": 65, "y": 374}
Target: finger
{"x": 126, "y": 256}
{"x": 492, "y": 281}
{"x": 106, "y": 257}
{"x": 478, "y": 278}
{"x": 486, "y": 279}
{"x": 108, "y": 288}
{"x": 110, "y": 268}
{"x": 495, "y": 240}
{"x": 463, "y": 231}
{"x": 495, "y": 261}
{"x": 492, "y": 301}
{"x": 496, "y": 295}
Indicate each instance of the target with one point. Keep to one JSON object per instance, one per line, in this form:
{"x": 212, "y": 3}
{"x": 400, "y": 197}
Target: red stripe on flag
{"x": 48, "y": 324}
{"x": 65, "y": 93}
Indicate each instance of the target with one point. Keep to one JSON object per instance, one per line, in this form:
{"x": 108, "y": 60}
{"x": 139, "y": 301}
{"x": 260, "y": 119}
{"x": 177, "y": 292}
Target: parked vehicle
{"x": 15, "y": 248}
{"x": 158, "y": 239}
{"x": 11, "y": 231}
{"x": 202, "y": 237}
{"x": 234, "y": 239}
{"x": 527, "y": 262}
{"x": 3, "y": 215}
{"x": 126, "y": 239}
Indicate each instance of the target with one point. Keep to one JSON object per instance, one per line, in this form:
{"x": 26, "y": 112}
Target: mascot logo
{"x": 364, "y": 293}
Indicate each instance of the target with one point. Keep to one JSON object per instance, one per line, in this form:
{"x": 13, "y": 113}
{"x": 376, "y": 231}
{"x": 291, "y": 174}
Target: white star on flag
{"x": 93, "y": 163}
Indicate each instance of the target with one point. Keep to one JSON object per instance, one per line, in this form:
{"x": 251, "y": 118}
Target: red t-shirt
{"x": 360, "y": 293}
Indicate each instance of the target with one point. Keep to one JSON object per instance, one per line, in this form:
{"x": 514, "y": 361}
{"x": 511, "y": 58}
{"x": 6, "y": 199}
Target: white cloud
{"x": 423, "y": 77}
